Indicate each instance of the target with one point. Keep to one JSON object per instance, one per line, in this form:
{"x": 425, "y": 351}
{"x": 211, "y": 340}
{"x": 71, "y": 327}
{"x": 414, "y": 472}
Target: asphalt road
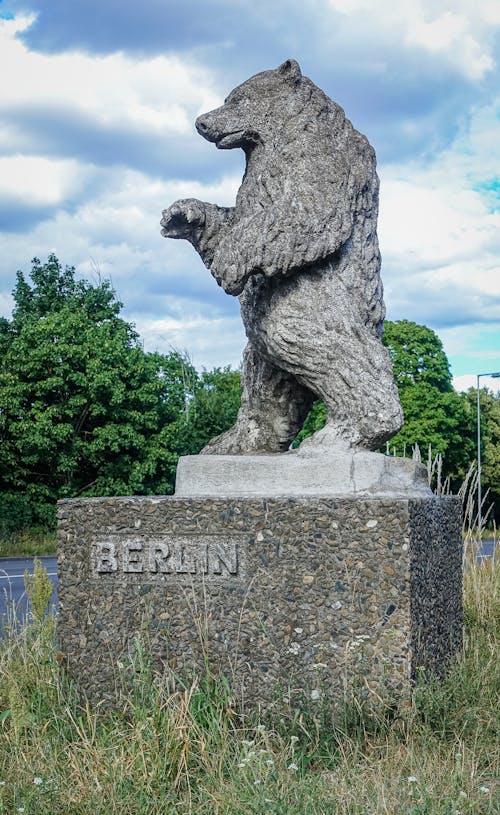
{"x": 486, "y": 549}
{"x": 13, "y": 595}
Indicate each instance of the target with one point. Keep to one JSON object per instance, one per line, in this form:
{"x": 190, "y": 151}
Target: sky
{"x": 97, "y": 106}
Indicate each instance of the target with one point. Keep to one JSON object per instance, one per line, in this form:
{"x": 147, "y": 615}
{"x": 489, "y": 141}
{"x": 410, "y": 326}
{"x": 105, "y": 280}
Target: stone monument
{"x": 294, "y": 574}
{"x": 300, "y": 249}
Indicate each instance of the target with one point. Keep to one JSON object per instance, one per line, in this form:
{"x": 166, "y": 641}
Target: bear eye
{"x": 233, "y": 99}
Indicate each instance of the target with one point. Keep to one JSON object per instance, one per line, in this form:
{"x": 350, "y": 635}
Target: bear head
{"x": 251, "y": 112}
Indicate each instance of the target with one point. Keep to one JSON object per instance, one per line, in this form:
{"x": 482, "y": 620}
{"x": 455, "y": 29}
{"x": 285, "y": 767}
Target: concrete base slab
{"x": 333, "y": 472}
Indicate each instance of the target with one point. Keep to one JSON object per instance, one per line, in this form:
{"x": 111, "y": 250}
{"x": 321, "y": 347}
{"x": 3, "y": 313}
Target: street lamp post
{"x": 495, "y": 375}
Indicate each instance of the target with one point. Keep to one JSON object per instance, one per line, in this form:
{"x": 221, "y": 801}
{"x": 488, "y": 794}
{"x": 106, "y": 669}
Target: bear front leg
{"x": 183, "y": 218}
{"x": 200, "y": 223}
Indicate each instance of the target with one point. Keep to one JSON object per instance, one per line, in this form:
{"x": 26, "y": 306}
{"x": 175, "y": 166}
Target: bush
{"x": 16, "y": 513}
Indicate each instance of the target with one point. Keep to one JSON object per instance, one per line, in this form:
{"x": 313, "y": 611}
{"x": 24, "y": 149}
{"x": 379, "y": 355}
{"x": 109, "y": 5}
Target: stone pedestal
{"x": 286, "y": 597}
{"x": 334, "y": 472}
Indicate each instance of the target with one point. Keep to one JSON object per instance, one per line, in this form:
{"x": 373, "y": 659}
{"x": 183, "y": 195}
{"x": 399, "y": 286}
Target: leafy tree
{"x": 217, "y": 397}
{"x": 82, "y": 406}
{"x": 53, "y": 288}
{"x": 315, "y": 420}
{"x": 490, "y": 438}
{"x": 85, "y": 411}
{"x": 442, "y": 421}
{"x": 211, "y": 408}
{"x": 417, "y": 356}
{"x": 434, "y": 413}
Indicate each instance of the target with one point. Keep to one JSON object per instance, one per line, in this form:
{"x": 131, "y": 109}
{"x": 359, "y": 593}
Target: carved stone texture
{"x": 302, "y": 599}
{"x": 300, "y": 250}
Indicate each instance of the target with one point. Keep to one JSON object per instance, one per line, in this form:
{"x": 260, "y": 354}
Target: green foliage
{"x": 211, "y": 405}
{"x": 53, "y": 288}
{"x": 39, "y": 589}
{"x": 435, "y": 415}
{"x": 15, "y": 513}
{"x": 315, "y": 420}
{"x": 84, "y": 410}
{"x": 490, "y": 443}
{"x": 82, "y": 406}
{"x": 443, "y": 421}
{"x": 417, "y": 356}
{"x": 212, "y": 410}
{"x": 28, "y": 541}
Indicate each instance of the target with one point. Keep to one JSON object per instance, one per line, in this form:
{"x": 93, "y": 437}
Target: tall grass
{"x": 189, "y": 751}
{"x": 28, "y": 542}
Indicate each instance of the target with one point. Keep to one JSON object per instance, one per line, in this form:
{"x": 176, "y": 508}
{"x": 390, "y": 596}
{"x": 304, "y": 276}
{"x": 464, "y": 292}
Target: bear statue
{"x": 300, "y": 250}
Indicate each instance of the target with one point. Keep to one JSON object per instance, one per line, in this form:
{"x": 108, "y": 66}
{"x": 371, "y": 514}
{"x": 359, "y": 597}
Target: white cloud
{"x": 154, "y": 95}
{"x": 128, "y": 208}
{"x": 491, "y": 11}
{"x": 166, "y": 290}
{"x": 124, "y": 212}
{"x": 448, "y": 34}
{"x": 35, "y": 180}
{"x": 439, "y": 217}
{"x": 209, "y": 341}
{"x": 459, "y": 31}
{"x": 439, "y": 228}
{"x": 463, "y": 383}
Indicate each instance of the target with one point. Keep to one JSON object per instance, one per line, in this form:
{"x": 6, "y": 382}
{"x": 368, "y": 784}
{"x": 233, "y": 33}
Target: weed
{"x": 171, "y": 749}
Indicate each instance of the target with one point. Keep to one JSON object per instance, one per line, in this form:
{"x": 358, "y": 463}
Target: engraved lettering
{"x": 203, "y": 559}
{"x": 106, "y": 557}
{"x": 133, "y": 557}
{"x": 159, "y": 555}
{"x": 180, "y": 556}
{"x": 224, "y": 555}
{"x": 191, "y": 560}
{"x": 184, "y": 561}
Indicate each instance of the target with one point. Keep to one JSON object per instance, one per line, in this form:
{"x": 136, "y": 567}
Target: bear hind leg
{"x": 273, "y": 408}
{"x": 359, "y": 391}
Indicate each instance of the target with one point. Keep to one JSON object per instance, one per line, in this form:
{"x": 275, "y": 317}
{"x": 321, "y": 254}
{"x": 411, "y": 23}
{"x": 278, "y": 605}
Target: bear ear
{"x": 290, "y": 70}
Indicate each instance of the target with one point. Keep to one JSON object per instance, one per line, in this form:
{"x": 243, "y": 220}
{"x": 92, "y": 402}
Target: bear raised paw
{"x": 300, "y": 250}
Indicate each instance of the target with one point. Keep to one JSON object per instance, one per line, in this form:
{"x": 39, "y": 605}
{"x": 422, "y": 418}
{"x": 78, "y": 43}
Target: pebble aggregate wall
{"x": 287, "y": 597}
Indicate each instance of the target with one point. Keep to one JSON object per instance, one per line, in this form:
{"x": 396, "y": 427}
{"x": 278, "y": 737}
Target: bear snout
{"x": 204, "y": 127}
{"x": 201, "y": 125}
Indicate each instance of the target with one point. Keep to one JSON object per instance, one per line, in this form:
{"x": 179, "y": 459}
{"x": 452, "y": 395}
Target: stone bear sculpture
{"x": 300, "y": 250}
